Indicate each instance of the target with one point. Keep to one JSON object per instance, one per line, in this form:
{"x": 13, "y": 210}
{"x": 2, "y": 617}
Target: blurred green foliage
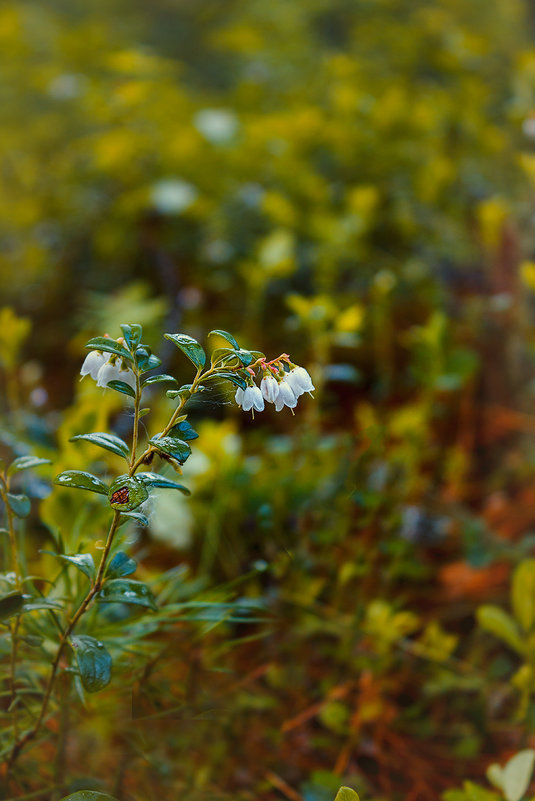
{"x": 351, "y": 182}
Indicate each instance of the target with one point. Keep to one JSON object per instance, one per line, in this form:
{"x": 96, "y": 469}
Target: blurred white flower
{"x": 92, "y": 363}
{"x": 286, "y": 396}
{"x": 300, "y": 381}
{"x": 238, "y": 397}
{"x": 269, "y": 387}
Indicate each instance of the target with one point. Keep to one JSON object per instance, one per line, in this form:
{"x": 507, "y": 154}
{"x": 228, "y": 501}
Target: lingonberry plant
{"x": 67, "y": 624}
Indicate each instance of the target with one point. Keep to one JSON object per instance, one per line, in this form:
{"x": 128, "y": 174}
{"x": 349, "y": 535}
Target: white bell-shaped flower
{"x": 269, "y": 387}
{"x": 127, "y": 376}
{"x": 252, "y": 399}
{"x": 300, "y": 381}
{"x": 238, "y": 397}
{"x": 92, "y": 363}
{"x": 286, "y": 396}
{"x": 114, "y": 371}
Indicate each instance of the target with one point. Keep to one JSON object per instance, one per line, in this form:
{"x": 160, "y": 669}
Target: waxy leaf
{"x": 157, "y": 379}
{"x": 127, "y": 591}
{"x": 225, "y": 357}
{"x": 190, "y": 347}
{"x": 156, "y": 480}
{"x": 107, "y": 441}
{"x": 42, "y": 603}
{"x": 225, "y": 335}
{"x": 109, "y": 346}
{"x": 246, "y": 357}
{"x": 145, "y": 359}
{"x": 172, "y": 446}
{"x": 19, "y": 504}
{"x": 26, "y": 463}
{"x": 83, "y": 561}
{"x": 120, "y": 386}
{"x": 140, "y": 519}
{"x": 88, "y": 795}
{"x": 132, "y": 334}
{"x": 78, "y": 479}
{"x": 11, "y": 604}
{"x": 94, "y": 662}
{"x": 183, "y": 430}
{"x": 121, "y": 565}
{"x": 126, "y": 493}
{"x": 234, "y": 378}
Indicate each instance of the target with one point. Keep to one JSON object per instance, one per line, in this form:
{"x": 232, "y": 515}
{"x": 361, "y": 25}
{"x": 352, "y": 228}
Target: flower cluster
{"x": 105, "y": 367}
{"x": 277, "y": 386}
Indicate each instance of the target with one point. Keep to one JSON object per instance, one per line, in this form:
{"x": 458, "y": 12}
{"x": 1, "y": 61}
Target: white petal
{"x": 92, "y": 364}
{"x": 258, "y": 400}
{"x": 127, "y": 376}
{"x": 279, "y": 403}
{"x": 302, "y": 378}
{"x": 270, "y": 388}
{"x": 248, "y": 399}
{"x": 238, "y": 397}
{"x": 294, "y": 383}
{"x": 287, "y": 394}
{"x": 108, "y": 372}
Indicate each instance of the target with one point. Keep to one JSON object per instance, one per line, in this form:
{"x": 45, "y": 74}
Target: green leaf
{"x": 226, "y": 357}
{"x": 496, "y": 621}
{"x": 120, "y": 386}
{"x": 78, "y": 479}
{"x": 346, "y": 794}
{"x": 246, "y": 357}
{"x": 523, "y": 593}
{"x": 83, "y": 561}
{"x": 145, "y": 359}
{"x": 19, "y": 504}
{"x": 190, "y": 347}
{"x": 183, "y": 430}
{"x": 109, "y": 346}
{"x": 127, "y": 591}
{"x": 156, "y": 480}
{"x": 234, "y": 378}
{"x": 107, "y": 441}
{"x": 516, "y": 774}
{"x": 225, "y": 335}
{"x": 157, "y": 379}
{"x": 140, "y": 519}
{"x": 127, "y": 493}
{"x": 26, "y": 463}
{"x": 132, "y": 334}
{"x": 35, "y": 605}
{"x": 11, "y": 604}
{"x": 120, "y": 565}
{"x": 94, "y": 662}
{"x": 88, "y": 795}
{"x": 173, "y": 446}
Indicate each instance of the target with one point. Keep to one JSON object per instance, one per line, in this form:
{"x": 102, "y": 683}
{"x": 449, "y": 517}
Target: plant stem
{"x": 14, "y": 625}
{"x": 136, "y": 423}
{"x": 150, "y": 449}
{"x": 95, "y": 587}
